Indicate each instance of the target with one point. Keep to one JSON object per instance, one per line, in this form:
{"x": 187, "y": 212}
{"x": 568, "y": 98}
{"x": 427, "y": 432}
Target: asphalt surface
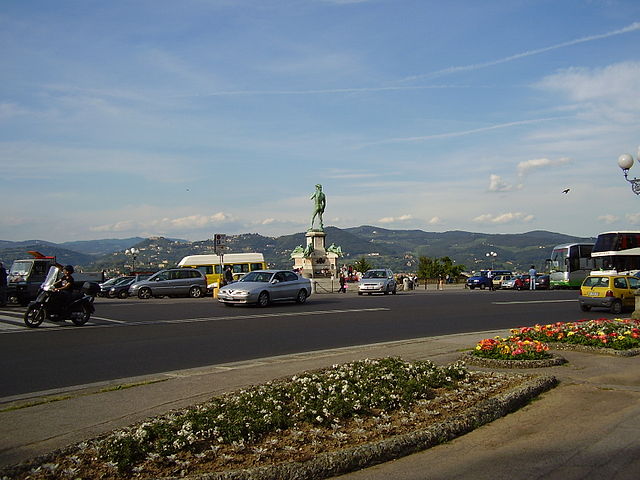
{"x": 585, "y": 428}
{"x": 135, "y": 337}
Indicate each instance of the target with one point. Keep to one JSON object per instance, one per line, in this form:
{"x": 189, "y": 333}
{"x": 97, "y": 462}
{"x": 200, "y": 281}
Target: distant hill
{"x": 102, "y": 247}
{"x": 396, "y": 249}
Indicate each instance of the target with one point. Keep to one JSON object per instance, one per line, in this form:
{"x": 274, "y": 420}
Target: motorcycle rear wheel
{"x": 80, "y": 318}
{"x": 34, "y": 316}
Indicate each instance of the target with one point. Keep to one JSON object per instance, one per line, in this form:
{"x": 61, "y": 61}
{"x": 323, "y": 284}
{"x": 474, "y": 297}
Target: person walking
{"x": 532, "y": 278}
{"x": 343, "y": 283}
{"x": 490, "y": 277}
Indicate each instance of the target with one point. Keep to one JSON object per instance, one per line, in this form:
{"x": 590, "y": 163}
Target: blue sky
{"x": 194, "y": 117}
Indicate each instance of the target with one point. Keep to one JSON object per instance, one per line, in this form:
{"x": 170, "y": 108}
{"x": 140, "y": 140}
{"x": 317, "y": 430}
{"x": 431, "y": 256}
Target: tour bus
{"x": 570, "y": 264}
{"x": 209, "y": 265}
{"x": 617, "y": 252}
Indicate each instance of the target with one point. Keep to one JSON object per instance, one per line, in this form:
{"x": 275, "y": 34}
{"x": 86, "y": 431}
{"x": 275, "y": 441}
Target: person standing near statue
{"x": 320, "y": 202}
{"x": 532, "y": 278}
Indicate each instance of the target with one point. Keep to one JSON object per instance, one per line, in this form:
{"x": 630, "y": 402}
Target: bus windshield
{"x": 559, "y": 259}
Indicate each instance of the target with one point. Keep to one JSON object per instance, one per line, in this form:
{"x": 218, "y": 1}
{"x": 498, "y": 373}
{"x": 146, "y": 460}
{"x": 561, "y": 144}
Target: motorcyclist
{"x": 63, "y": 287}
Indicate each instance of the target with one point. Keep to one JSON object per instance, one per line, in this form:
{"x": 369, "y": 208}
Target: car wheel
{"x": 263, "y": 299}
{"x": 144, "y": 293}
{"x": 359, "y": 293}
{"x": 123, "y": 294}
{"x": 585, "y": 308}
{"x": 195, "y": 292}
{"x": 302, "y": 296}
{"x": 616, "y": 307}
{"x": 471, "y": 287}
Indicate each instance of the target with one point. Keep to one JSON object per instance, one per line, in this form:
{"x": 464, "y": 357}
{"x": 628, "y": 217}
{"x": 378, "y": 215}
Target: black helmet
{"x": 68, "y": 268}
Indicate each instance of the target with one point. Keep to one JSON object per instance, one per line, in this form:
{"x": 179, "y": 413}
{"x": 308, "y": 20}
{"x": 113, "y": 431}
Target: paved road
{"x": 131, "y": 337}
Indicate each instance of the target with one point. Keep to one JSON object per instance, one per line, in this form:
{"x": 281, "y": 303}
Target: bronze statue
{"x": 320, "y": 202}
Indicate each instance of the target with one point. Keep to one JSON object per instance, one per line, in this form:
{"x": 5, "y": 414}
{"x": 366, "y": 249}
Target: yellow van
{"x": 210, "y": 266}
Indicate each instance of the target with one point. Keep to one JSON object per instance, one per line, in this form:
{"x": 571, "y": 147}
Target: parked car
{"x": 262, "y": 287}
{"x": 171, "y": 281}
{"x": 121, "y": 288}
{"x": 509, "y": 283}
{"x": 614, "y": 292}
{"x": 542, "y": 282}
{"x": 106, "y": 286}
{"x": 498, "y": 279}
{"x": 378, "y": 280}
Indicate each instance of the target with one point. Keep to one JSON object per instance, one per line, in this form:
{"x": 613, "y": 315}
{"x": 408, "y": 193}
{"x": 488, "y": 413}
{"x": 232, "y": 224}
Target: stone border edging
{"x": 351, "y": 459}
{"x": 471, "y": 359}
{"x": 576, "y": 347}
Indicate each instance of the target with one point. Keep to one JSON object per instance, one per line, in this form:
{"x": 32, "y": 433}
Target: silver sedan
{"x": 262, "y": 287}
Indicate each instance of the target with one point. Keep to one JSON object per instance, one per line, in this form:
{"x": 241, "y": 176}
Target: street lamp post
{"x": 492, "y": 255}
{"x": 625, "y": 162}
{"x": 134, "y": 253}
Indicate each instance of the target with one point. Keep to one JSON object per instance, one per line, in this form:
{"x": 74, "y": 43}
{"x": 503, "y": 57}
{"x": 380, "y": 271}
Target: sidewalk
{"x": 585, "y": 428}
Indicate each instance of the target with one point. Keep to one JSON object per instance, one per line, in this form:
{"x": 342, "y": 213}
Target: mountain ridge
{"x": 396, "y": 249}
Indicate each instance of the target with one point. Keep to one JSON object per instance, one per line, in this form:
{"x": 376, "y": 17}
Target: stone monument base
{"x": 314, "y": 261}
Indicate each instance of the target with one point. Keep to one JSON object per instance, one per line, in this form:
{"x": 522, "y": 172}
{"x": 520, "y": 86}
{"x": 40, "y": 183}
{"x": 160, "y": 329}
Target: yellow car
{"x": 614, "y": 292}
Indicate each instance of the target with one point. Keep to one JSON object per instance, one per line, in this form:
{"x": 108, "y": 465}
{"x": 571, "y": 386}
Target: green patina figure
{"x": 320, "y": 202}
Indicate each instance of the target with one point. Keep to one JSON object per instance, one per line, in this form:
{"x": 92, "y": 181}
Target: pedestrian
{"x": 3, "y": 285}
{"x": 490, "y": 277}
{"x": 440, "y": 282}
{"x": 228, "y": 275}
{"x": 343, "y": 283}
{"x": 532, "y": 278}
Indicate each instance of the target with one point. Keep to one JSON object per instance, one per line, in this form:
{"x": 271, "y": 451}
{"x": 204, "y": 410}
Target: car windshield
{"x": 260, "y": 277}
{"x": 20, "y": 268}
{"x": 123, "y": 280}
{"x": 375, "y": 274}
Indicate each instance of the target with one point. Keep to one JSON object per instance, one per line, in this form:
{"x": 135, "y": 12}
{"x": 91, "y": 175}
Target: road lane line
{"x": 120, "y": 323}
{"x": 516, "y": 302}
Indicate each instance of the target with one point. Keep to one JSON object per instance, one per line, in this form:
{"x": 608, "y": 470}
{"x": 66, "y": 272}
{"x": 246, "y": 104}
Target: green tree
{"x": 362, "y": 265}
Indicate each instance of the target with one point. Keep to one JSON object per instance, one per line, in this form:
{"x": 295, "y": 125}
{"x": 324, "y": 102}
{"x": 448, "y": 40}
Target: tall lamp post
{"x": 492, "y": 255}
{"x": 134, "y": 253}
{"x": 625, "y": 162}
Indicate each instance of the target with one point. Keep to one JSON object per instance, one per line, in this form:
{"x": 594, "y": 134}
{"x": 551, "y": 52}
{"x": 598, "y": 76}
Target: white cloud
{"x": 401, "y": 218}
{"x": 503, "y": 218}
{"x": 617, "y": 83}
{"x": 477, "y": 66}
{"x": 496, "y": 184}
{"x": 166, "y": 224}
{"x": 608, "y": 219}
{"x": 435, "y": 221}
{"x": 633, "y": 218}
{"x": 529, "y": 165}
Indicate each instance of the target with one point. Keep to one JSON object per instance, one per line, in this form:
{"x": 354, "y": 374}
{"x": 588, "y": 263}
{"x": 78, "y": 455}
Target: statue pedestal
{"x": 315, "y": 261}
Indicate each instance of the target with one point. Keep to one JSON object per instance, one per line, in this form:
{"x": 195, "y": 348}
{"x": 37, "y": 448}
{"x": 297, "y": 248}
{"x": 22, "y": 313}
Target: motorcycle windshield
{"x": 52, "y": 276}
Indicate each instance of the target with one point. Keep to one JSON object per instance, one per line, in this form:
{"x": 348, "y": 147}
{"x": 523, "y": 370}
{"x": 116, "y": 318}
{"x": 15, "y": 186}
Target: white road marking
{"x": 534, "y": 301}
{"x": 6, "y": 328}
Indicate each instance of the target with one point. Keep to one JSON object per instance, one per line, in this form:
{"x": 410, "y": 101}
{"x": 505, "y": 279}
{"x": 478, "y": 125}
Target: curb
{"x": 471, "y": 359}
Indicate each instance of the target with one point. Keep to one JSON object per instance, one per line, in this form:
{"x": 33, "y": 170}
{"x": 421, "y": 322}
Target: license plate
{"x": 593, "y": 294}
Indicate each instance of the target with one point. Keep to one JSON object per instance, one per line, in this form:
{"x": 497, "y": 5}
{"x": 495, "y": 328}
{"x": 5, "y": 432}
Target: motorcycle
{"x": 78, "y": 308}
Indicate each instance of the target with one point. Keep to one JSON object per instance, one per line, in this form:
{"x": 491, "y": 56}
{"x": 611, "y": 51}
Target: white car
{"x": 378, "y": 280}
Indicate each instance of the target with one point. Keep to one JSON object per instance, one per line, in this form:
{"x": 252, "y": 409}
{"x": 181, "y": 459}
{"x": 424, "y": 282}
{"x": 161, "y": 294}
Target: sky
{"x": 194, "y": 117}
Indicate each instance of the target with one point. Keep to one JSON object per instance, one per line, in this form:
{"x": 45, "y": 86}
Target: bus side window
{"x": 256, "y": 266}
{"x": 217, "y": 269}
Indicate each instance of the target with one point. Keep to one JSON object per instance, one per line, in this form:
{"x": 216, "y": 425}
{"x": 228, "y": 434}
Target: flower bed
{"x": 396, "y": 408}
{"x": 617, "y": 335}
{"x": 511, "y": 352}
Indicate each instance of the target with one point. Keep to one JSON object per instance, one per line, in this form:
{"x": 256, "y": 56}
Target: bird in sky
{"x": 566, "y": 190}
